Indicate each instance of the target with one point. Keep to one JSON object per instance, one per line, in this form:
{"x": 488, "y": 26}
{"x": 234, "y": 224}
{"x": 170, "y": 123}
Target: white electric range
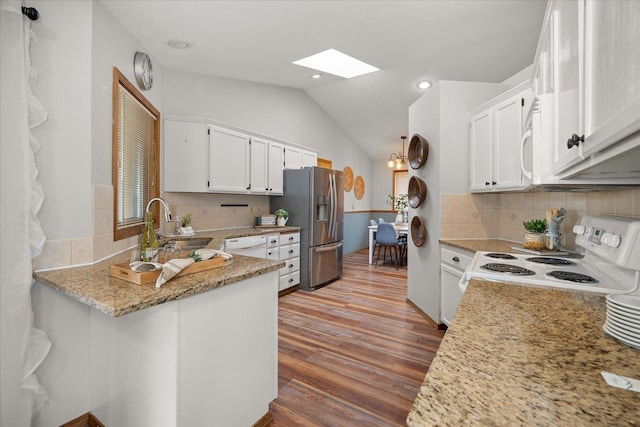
{"x": 611, "y": 262}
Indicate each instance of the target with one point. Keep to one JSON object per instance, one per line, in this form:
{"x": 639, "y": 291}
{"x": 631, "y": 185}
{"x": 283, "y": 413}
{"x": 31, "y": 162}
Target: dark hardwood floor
{"x": 352, "y": 353}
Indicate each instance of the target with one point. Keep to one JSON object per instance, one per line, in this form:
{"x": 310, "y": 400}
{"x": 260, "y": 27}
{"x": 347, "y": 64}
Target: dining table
{"x": 399, "y": 228}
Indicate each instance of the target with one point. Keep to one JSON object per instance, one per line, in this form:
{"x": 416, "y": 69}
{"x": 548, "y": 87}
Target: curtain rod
{"x": 31, "y": 13}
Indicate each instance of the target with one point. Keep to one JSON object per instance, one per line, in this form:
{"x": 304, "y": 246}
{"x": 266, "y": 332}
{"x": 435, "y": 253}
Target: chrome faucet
{"x": 167, "y": 212}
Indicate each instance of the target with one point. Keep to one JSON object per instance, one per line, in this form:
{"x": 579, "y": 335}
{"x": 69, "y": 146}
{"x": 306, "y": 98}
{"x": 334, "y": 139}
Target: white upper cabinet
{"x": 481, "y": 145}
{"x": 259, "y": 166}
{"x": 567, "y": 27}
{"x": 276, "y": 167}
{"x": 496, "y": 133}
{"x": 202, "y": 157}
{"x": 228, "y": 161}
{"x": 309, "y": 158}
{"x": 612, "y": 72}
{"x": 185, "y": 156}
{"x": 292, "y": 158}
{"x": 596, "y": 83}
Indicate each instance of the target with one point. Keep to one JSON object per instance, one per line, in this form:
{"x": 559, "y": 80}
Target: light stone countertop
{"x": 524, "y": 355}
{"x": 93, "y": 286}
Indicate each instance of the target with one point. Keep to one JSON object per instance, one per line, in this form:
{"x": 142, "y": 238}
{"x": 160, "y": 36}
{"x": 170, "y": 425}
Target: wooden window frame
{"x": 395, "y": 172}
{"x": 120, "y": 80}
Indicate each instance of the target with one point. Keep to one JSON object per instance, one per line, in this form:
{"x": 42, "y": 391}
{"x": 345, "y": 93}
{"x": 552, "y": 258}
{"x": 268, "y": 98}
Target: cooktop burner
{"x": 508, "y": 269}
{"x": 499, "y": 255}
{"x": 572, "y": 277}
{"x": 550, "y": 261}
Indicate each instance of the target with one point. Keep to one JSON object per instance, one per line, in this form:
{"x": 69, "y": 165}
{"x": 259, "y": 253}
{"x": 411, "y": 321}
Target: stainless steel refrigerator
{"x": 314, "y": 199}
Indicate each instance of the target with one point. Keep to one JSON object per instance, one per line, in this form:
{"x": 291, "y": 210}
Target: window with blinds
{"x": 135, "y": 157}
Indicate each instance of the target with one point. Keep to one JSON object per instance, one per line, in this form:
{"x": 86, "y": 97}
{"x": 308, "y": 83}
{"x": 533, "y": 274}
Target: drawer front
{"x": 289, "y": 280}
{"x": 289, "y": 238}
{"x": 290, "y": 251}
{"x": 273, "y": 240}
{"x": 449, "y": 256}
{"x": 291, "y": 266}
{"x": 273, "y": 253}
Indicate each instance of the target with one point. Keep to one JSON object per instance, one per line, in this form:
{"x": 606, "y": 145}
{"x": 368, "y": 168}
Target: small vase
{"x": 533, "y": 240}
{"x": 399, "y": 219}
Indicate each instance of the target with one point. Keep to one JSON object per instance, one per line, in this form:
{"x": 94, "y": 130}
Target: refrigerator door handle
{"x": 328, "y": 248}
{"x": 331, "y": 203}
{"x": 334, "y": 204}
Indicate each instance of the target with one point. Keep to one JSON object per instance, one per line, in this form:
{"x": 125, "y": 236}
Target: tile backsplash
{"x": 501, "y": 215}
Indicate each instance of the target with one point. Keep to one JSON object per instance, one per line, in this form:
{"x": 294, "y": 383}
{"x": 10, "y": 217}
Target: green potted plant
{"x": 400, "y": 204}
{"x": 534, "y": 234}
{"x": 282, "y": 217}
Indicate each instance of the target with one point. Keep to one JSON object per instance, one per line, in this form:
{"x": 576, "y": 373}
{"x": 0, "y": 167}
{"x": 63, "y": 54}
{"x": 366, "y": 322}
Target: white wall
{"x": 279, "y": 112}
{"x": 441, "y": 117}
{"x": 62, "y": 56}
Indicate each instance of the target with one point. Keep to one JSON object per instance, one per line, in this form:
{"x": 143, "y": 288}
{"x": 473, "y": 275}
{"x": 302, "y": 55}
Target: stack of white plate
{"x": 623, "y": 319}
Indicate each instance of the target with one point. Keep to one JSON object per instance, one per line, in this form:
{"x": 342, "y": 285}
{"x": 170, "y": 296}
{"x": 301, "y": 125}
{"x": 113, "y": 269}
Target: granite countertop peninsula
{"x": 93, "y": 286}
{"x": 475, "y": 245}
{"x": 524, "y": 355}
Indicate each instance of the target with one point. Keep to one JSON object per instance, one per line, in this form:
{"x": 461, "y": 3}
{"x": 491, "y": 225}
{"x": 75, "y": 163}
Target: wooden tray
{"x": 122, "y": 271}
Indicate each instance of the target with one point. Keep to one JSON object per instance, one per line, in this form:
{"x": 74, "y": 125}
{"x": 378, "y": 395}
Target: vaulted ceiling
{"x": 466, "y": 40}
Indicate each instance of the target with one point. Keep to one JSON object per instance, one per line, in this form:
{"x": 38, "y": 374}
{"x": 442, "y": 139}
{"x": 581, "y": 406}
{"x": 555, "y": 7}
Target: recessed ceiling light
{"x": 337, "y": 63}
{"x": 179, "y": 44}
{"x": 424, "y": 84}
{"x": 316, "y": 76}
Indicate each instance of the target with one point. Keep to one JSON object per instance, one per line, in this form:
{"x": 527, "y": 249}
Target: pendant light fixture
{"x": 398, "y": 160}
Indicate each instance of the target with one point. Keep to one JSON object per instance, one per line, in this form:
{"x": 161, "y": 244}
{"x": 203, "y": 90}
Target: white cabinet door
{"x": 276, "y": 166}
{"x": 480, "y": 160}
{"x": 568, "y": 76}
{"x": 185, "y": 156}
{"x": 309, "y": 158}
{"x": 292, "y": 158}
{"x": 507, "y": 117}
{"x": 612, "y": 72}
{"x": 259, "y": 165}
{"x": 228, "y": 161}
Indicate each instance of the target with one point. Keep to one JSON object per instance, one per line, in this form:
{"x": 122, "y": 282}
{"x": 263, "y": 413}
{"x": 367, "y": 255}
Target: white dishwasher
{"x": 453, "y": 262}
{"x": 255, "y": 246}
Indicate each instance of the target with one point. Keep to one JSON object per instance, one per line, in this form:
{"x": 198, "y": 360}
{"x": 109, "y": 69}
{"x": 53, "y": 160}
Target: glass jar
{"x": 533, "y": 240}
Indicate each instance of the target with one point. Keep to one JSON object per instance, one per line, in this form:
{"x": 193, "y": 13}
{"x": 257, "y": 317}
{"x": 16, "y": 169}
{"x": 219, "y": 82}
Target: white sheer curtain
{"x": 23, "y": 347}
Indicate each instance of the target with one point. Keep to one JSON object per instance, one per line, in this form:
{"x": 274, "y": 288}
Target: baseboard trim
{"x": 264, "y": 420}
{"x": 438, "y": 326}
{"x": 84, "y": 420}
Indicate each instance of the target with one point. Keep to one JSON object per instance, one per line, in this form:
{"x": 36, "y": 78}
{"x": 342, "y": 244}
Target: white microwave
{"x": 537, "y": 156}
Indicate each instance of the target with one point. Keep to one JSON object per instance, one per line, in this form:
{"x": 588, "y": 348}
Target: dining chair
{"x": 387, "y": 239}
{"x": 373, "y": 222}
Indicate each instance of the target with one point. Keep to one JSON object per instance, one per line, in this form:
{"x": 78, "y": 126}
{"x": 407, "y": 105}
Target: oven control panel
{"x": 615, "y": 239}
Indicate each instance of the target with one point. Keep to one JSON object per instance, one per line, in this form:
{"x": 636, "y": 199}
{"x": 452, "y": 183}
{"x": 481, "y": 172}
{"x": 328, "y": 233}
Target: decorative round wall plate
{"x": 418, "y": 151}
{"x": 417, "y": 191}
{"x": 358, "y": 187}
{"x": 348, "y": 178}
{"x": 418, "y": 231}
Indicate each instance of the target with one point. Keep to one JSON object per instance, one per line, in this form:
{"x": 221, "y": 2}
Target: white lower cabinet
{"x": 453, "y": 262}
{"x": 290, "y": 253}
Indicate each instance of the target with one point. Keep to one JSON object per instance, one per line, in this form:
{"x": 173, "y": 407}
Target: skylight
{"x": 337, "y": 63}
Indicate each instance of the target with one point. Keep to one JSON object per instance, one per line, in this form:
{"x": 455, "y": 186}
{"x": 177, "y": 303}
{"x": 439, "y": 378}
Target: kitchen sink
{"x": 188, "y": 244}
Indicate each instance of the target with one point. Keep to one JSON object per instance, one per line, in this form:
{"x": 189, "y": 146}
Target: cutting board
{"x": 122, "y": 271}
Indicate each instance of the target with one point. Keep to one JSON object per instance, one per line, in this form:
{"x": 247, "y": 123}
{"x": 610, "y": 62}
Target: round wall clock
{"x": 143, "y": 70}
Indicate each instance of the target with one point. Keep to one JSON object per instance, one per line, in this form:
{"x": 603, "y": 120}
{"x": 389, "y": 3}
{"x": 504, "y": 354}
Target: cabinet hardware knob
{"x": 290, "y": 265}
{"x": 273, "y": 241}
{"x": 291, "y": 238}
{"x": 290, "y": 251}
{"x": 290, "y": 280}
{"x": 493, "y": 183}
{"x": 486, "y": 183}
{"x": 456, "y": 259}
{"x": 574, "y": 141}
